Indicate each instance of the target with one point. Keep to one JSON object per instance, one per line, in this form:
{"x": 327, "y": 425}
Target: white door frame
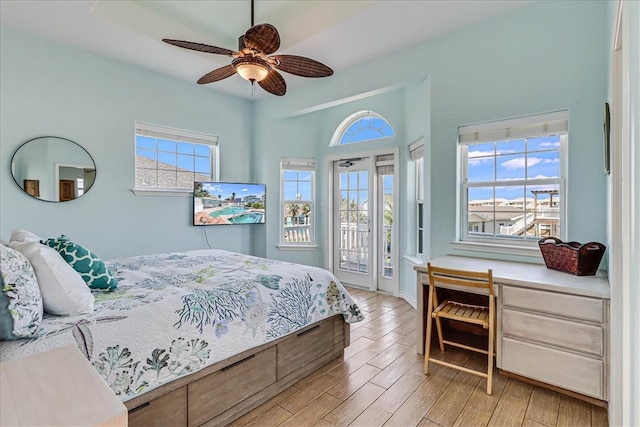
{"x": 328, "y": 208}
{"x": 624, "y": 218}
{"x": 84, "y": 168}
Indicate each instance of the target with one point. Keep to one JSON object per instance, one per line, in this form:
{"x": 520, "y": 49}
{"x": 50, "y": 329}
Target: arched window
{"x": 362, "y": 126}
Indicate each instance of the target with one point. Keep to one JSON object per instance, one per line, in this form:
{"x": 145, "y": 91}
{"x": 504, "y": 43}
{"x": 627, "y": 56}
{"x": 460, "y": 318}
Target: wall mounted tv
{"x": 228, "y": 203}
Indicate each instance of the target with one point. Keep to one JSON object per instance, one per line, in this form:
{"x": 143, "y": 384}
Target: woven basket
{"x": 572, "y": 257}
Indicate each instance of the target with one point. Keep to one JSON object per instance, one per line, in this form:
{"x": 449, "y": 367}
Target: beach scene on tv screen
{"x": 220, "y": 203}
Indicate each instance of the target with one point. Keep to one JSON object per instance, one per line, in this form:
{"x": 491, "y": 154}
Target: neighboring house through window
{"x": 297, "y": 199}
{"x": 170, "y": 160}
{"x": 512, "y": 179}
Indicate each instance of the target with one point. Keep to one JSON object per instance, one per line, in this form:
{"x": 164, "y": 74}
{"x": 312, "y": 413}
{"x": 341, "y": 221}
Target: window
{"x": 362, "y": 126}
{"x": 172, "y": 159}
{"x": 512, "y": 181}
{"x": 417, "y": 156}
{"x": 297, "y": 199}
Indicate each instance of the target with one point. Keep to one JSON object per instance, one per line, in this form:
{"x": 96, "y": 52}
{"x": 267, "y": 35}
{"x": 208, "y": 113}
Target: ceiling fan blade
{"x": 218, "y": 74}
{"x": 274, "y": 83}
{"x": 200, "y": 47}
{"x": 301, "y": 66}
{"x": 263, "y": 38}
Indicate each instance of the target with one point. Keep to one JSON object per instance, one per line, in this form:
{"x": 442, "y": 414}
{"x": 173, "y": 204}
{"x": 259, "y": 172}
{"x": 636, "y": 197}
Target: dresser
{"x": 552, "y": 327}
{"x": 57, "y": 388}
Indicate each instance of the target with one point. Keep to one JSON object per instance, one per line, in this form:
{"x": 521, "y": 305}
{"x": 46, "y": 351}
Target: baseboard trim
{"x": 589, "y": 399}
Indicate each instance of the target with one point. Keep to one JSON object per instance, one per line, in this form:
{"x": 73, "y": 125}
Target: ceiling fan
{"x": 252, "y": 60}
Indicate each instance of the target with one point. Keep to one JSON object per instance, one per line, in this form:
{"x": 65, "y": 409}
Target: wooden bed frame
{"x": 224, "y": 391}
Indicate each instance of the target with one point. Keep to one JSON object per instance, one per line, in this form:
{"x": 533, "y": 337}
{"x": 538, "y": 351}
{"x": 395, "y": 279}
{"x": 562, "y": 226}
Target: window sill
{"x": 414, "y": 260}
{"x": 173, "y": 193}
{"x": 297, "y": 247}
{"x": 498, "y": 249}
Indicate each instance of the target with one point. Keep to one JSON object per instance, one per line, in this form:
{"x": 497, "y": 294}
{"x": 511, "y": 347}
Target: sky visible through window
{"x": 366, "y": 129}
{"x": 297, "y": 185}
{"x": 497, "y": 163}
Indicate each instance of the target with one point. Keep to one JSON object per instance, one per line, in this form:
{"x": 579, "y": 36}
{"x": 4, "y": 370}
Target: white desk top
{"x": 534, "y": 276}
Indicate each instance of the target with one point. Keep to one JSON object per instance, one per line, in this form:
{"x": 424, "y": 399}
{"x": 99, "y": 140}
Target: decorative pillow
{"x": 24, "y": 236}
{"x": 20, "y": 298}
{"x": 63, "y": 290}
{"x": 91, "y": 268}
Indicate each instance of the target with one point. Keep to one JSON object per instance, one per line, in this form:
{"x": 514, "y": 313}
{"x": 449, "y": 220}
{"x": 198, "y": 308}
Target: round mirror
{"x": 53, "y": 169}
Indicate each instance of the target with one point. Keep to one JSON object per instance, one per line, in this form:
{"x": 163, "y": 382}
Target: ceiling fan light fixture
{"x": 251, "y": 68}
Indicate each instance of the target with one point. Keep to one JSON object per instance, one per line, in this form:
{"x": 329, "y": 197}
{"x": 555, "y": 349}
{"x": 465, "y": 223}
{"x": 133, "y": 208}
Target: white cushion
{"x": 63, "y": 290}
{"x": 24, "y": 236}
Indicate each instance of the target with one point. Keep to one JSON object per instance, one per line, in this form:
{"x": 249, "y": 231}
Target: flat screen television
{"x": 228, "y": 203}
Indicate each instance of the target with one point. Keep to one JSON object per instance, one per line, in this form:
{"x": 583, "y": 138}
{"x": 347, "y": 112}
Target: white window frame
{"x": 346, "y": 124}
{"x": 555, "y": 123}
{"x": 296, "y": 164}
{"x": 416, "y": 151}
{"x": 174, "y": 134}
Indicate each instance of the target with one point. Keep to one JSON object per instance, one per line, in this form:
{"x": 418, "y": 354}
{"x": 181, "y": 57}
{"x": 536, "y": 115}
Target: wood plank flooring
{"x": 380, "y": 382}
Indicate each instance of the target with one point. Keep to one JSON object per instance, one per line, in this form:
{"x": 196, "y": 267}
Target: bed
{"x": 202, "y": 337}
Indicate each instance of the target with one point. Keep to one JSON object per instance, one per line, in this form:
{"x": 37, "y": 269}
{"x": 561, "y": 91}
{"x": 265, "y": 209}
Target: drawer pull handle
{"x": 308, "y": 330}
{"x": 238, "y": 362}
{"x": 137, "y": 408}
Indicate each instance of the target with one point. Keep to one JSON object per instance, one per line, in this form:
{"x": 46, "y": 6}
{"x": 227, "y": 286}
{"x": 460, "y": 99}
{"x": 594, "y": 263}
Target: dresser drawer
{"x": 564, "y": 333}
{"x": 567, "y": 370}
{"x": 304, "y": 347}
{"x": 167, "y": 410}
{"x": 219, "y": 391}
{"x": 574, "y": 306}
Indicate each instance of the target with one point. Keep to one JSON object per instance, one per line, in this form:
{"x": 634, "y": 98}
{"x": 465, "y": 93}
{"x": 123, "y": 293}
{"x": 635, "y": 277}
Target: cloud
{"x": 521, "y": 162}
{"x": 479, "y": 157}
{"x": 550, "y": 144}
{"x": 245, "y": 189}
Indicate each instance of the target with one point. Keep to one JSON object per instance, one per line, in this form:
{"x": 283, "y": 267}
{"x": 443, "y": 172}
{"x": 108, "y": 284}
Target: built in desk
{"x": 552, "y": 327}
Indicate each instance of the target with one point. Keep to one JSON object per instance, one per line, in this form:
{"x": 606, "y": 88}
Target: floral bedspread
{"x": 176, "y": 313}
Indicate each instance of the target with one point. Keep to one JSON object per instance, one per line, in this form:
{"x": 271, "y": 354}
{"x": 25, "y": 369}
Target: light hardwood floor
{"x": 380, "y": 382}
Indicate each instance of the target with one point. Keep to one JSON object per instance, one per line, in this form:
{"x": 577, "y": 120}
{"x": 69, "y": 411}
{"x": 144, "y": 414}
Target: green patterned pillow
{"x": 91, "y": 268}
{"x": 20, "y": 298}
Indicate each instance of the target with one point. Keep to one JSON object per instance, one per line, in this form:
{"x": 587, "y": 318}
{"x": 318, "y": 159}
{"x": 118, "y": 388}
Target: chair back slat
{"x": 449, "y": 276}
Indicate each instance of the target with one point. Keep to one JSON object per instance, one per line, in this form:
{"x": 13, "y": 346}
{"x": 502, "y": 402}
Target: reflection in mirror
{"x": 53, "y": 169}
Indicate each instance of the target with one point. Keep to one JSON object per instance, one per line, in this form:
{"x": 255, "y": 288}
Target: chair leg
{"x": 427, "y": 339}
{"x": 492, "y": 329}
{"x": 440, "y": 338}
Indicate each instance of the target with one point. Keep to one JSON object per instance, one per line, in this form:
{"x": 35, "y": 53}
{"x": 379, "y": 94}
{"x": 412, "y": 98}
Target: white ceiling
{"x": 338, "y": 33}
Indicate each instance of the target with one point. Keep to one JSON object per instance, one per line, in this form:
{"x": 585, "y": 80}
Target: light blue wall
{"x": 545, "y": 57}
{"x": 50, "y": 89}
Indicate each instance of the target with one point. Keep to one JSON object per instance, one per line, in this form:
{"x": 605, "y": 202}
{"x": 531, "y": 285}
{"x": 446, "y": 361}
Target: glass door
{"x": 385, "y": 234}
{"x": 353, "y": 222}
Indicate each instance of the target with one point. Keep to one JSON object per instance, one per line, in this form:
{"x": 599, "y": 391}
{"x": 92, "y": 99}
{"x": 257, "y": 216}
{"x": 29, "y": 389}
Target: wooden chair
{"x": 458, "y": 311}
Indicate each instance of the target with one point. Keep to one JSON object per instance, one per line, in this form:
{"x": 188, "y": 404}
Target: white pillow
{"x": 63, "y": 290}
{"x": 24, "y": 236}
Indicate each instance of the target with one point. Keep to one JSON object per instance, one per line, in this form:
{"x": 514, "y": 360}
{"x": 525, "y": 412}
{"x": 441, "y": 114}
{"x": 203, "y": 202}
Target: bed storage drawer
{"x": 567, "y": 370}
{"x": 303, "y": 347}
{"x": 167, "y": 410}
{"x": 219, "y": 391}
